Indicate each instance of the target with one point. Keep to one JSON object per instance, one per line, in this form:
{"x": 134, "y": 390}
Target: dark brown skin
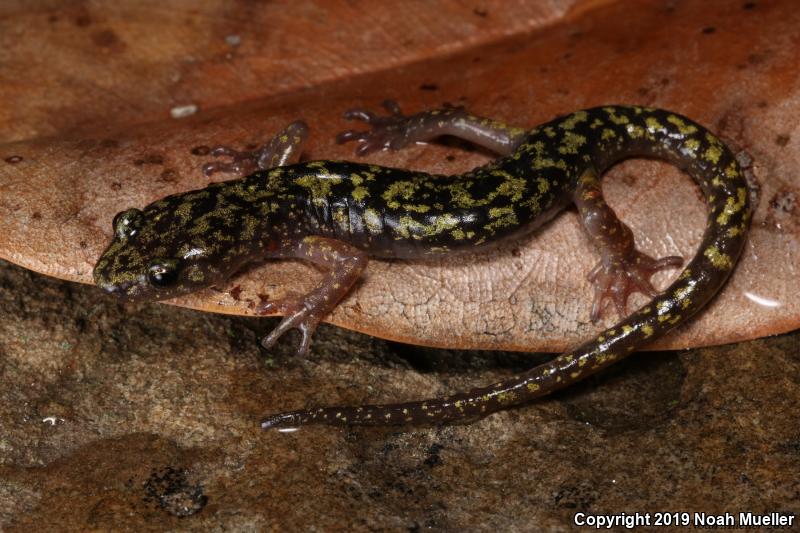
{"x": 338, "y": 214}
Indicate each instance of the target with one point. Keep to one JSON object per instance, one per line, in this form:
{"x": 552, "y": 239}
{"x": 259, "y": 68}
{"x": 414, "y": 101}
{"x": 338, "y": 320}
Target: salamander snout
{"x": 120, "y": 290}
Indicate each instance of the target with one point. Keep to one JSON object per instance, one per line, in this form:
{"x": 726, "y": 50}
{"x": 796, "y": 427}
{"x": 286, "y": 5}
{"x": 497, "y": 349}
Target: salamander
{"x": 339, "y": 214}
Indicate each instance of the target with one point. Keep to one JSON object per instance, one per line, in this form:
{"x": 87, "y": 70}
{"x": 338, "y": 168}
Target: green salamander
{"x": 337, "y": 214}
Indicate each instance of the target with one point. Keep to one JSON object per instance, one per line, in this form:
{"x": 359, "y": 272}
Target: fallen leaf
{"x": 91, "y": 131}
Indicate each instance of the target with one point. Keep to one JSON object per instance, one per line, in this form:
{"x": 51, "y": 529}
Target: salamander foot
{"x": 390, "y": 132}
{"x": 282, "y": 149}
{"x": 297, "y": 314}
{"x": 617, "y": 279}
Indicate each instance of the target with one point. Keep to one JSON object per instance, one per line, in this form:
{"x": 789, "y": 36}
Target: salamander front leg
{"x": 344, "y": 262}
{"x": 283, "y": 149}
{"x": 396, "y": 131}
{"x": 622, "y": 269}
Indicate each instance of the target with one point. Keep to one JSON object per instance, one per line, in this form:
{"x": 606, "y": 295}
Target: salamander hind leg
{"x": 283, "y": 149}
{"x": 396, "y": 131}
{"x": 622, "y": 269}
{"x": 344, "y": 262}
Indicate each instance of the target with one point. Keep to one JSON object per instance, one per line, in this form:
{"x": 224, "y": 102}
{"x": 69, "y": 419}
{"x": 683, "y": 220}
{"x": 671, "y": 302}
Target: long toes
{"x": 597, "y": 307}
{"x": 352, "y": 135}
{"x": 235, "y": 167}
{"x": 219, "y": 151}
{"x": 359, "y": 114}
{"x": 211, "y": 168}
{"x": 619, "y": 299}
{"x": 270, "y": 340}
{"x": 302, "y": 320}
{"x": 671, "y": 261}
{"x": 307, "y": 328}
{"x": 601, "y": 289}
{"x": 640, "y": 280}
{"x": 592, "y": 275}
{"x": 367, "y": 148}
{"x": 619, "y": 291}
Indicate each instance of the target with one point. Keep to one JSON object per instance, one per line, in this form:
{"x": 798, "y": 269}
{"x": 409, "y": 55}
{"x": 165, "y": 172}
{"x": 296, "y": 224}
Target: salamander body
{"x": 339, "y": 214}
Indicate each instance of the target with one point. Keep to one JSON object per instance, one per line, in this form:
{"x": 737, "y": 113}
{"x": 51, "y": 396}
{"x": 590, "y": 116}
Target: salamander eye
{"x": 163, "y": 272}
{"x": 126, "y": 223}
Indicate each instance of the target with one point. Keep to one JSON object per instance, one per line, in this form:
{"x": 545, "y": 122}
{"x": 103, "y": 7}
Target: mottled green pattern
{"x": 208, "y": 234}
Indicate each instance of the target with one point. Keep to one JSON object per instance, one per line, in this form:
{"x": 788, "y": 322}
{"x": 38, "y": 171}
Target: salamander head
{"x": 158, "y": 254}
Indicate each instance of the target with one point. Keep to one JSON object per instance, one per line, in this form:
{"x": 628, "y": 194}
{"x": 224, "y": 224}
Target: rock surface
{"x": 146, "y": 418}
